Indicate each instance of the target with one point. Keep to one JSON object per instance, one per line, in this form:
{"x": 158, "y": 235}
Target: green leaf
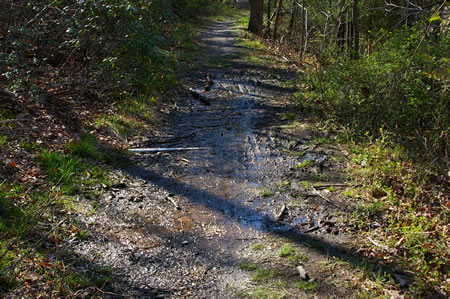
{"x": 435, "y": 17}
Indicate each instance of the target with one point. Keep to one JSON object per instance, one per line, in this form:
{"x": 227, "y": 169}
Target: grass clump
{"x": 247, "y": 266}
{"x": 297, "y": 258}
{"x": 391, "y": 182}
{"x": 262, "y": 274}
{"x": 87, "y": 147}
{"x": 257, "y": 246}
{"x": 306, "y": 184}
{"x": 70, "y": 172}
{"x": 304, "y": 164}
{"x": 266, "y": 192}
{"x": 286, "y": 250}
{"x": 305, "y": 286}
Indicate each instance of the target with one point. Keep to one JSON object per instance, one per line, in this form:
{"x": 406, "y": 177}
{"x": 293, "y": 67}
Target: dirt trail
{"x": 212, "y": 222}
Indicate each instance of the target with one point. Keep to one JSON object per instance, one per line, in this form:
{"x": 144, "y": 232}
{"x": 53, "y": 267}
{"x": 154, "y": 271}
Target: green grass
{"x": 247, "y": 266}
{"x": 304, "y": 164}
{"x": 87, "y": 147}
{"x": 296, "y": 258}
{"x": 306, "y": 184}
{"x": 283, "y": 183}
{"x": 12, "y": 215}
{"x": 29, "y": 146}
{"x": 62, "y": 169}
{"x": 305, "y": 286}
{"x": 3, "y": 140}
{"x": 286, "y": 250}
{"x": 257, "y": 246}
{"x": 6, "y": 114}
{"x": 122, "y": 125}
{"x": 390, "y": 181}
{"x": 259, "y": 273}
{"x": 266, "y": 192}
{"x": 72, "y": 173}
{"x": 266, "y": 292}
{"x": 243, "y": 19}
{"x": 321, "y": 177}
{"x": 262, "y": 274}
{"x": 141, "y": 107}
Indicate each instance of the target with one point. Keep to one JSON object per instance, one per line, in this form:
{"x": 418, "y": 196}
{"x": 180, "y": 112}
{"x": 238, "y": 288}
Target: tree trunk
{"x": 256, "y": 16}
{"x": 293, "y": 16}
{"x": 303, "y": 25}
{"x": 340, "y": 35}
{"x": 269, "y": 7}
{"x": 277, "y": 19}
{"x": 355, "y": 30}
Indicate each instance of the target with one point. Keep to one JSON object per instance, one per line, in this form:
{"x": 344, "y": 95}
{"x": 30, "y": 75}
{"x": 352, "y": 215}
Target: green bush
{"x": 406, "y": 94}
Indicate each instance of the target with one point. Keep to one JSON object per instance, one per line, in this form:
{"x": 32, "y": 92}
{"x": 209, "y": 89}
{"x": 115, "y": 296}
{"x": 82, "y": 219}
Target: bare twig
{"x": 166, "y": 149}
{"x": 311, "y": 229}
{"x": 326, "y": 199}
{"x": 14, "y": 265}
{"x": 330, "y": 185}
{"x": 39, "y": 14}
{"x": 280, "y": 213}
{"x": 424, "y": 35}
{"x": 169, "y": 198}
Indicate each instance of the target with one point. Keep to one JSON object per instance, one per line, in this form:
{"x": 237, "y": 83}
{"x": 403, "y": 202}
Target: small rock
{"x": 302, "y": 272}
{"x": 402, "y": 282}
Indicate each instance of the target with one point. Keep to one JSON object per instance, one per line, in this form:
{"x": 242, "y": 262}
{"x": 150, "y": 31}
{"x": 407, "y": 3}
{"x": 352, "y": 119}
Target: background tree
{"x": 256, "y": 16}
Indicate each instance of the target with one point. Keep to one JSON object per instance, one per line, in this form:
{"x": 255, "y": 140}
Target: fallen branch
{"x": 38, "y": 15}
{"x": 280, "y": 213}
{"x": 166, "y": 149}
{"x": 173, "y": 202}
{"x": 311, "y": 229}
{"x": 200, "y": 97}
{"x": 384, "y": 247}
{"x": 326, "y": 199}
{"x": 330, "y": 185}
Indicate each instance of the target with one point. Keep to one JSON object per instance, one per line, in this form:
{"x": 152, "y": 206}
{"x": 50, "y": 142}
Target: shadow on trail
{"x": 237, "y": 212}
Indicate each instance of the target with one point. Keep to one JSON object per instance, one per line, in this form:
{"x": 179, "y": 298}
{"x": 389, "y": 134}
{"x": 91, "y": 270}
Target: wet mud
{"x": 182, "y": 223}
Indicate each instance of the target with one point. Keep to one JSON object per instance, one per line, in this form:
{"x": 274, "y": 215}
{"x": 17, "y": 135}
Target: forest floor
{"x": 255, "y": 211}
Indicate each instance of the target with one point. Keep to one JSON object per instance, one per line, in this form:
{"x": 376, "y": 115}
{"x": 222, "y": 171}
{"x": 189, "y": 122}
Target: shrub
{"x": 392, "y": 88}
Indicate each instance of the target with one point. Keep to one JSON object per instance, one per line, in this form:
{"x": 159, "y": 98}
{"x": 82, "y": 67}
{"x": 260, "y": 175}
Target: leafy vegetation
{"x": 378, "y": 79}
{"x": 69, "y": 68}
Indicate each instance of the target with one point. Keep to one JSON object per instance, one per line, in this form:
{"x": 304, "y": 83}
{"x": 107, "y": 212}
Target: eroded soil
{"x": 236, "y": 217}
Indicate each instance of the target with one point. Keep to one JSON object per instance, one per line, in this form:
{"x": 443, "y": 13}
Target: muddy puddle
{"x": 185, "y": 220}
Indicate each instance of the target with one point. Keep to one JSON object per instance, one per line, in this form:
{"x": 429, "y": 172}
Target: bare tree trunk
{"x": 355, "y": 29}
{"x": 277, "y": 19}
{"x": 303, "y": 17}
{"x": 349, "y": 32}
{"x": 340, "y": 35}
{"x": 293, "y": 16}
{"x": 256, "y": 16}
{"x": 269, "y": 7}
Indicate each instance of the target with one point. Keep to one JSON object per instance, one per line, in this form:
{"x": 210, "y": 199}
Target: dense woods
{"x": 379, "y": 64}
{"x": 79, "y": 78}
{"x": 378, "y": 70}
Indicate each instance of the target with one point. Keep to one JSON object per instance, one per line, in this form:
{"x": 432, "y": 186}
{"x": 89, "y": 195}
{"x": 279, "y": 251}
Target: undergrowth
{"x": 103, "y": 67}
{"x": 405, "y": 209}
{"x": 401, "y": 170}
